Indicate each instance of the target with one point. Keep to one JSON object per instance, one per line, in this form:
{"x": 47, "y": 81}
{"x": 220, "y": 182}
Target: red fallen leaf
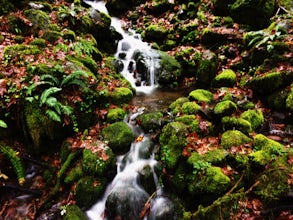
{"x": 275, "y": 137}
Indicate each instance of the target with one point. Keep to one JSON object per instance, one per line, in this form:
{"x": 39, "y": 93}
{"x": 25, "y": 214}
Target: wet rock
{"x": 119, "y": 137}
{"x": 150, "y": 121}
{"x": 118, "y": 64}
{"x": 125, "y": 203}
{"x": 162, "y": 208}
{"x": 73, "y": 212}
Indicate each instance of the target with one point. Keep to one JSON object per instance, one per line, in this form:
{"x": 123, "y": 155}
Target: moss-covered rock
{"x": 270, "y": 82}
{"x": 216, "y": 156}
{"x": 170, "y": 70}
{"x": 119, "y": 136}
{"x": 231, "y": 123}
{"x": 201, "y": 95}
{"x": 115, "y": 115}
{"x": 234, "y": 138}
{"x": 40, "y": 20}
{"x": 191, "y": 121}
{"x": 40, "y": 42}
{"x": 254, "y": 116}
{"x": 155, "y": 32}
{"x": 224, "y": 108}
{"x": 51, "y": 36}
{"x": 17, "y": 52}
{"x": 88, "y": 190}
{"x": 175, "y": 106}
{"x": 74, "y": 175}
{"x": 73, "y": 212}
{"x": 207, "y": 69}
{"x": 212, "y": 181}
{"x": 261, "y": 142}
{"x": 227, "y": 78}
{"x": 277, "y": 100}
{"x": 260, "y": 158}
{"x": 172, "y": 141}
{"x": 254, "y": 13}
{"x": 289, "y": 99}
{"x": 98, "y": 163}
{"x": 121, "y": 95}
{"x": 151, "y": 121}
{"x": 190, "y": 108}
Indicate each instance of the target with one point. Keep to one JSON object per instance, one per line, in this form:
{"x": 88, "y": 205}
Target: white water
{"x": 130, "y": 43}
{"x": 128, "y": 168}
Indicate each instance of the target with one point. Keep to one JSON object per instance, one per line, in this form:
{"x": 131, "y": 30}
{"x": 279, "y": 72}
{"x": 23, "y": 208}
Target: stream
{"x": 126, "y": 196}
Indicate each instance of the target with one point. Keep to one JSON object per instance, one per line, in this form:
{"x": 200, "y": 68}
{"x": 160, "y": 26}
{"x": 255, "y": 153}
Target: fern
{"x": 3, "y": 124}
{"x": 51, "y": 102}
{"x": 47, "y": 93}
{"x": 50, "y": 80}
{"x": 67, "y": 110}
{"x": 14, "y": 159}
{"x": 84, "y": 47}
{"x": 53, "y": 115}
{"x": 75, "y": 79}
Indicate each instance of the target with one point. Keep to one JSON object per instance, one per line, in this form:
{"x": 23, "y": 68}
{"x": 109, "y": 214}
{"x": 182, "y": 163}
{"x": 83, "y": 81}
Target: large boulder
{"x": 255, "y": 13}
{"x": 119, "y": 137}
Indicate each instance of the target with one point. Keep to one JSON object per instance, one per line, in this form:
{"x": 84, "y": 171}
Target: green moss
{"x": 225, "y": 108}
{"x": 254, "y": 116}
{"x": 122, "y": 95}
{"x": 260, "y": 157}
{"x": 51, "y": 36}
{"x": 155, "y": 32}
{"x": 17, "y": 52}
{"x": 40, "y": 42}
{"x": 68, "y": 34}
{"x": 289, "y": 99}
{"x": 74, "y": 175}
{"x": 116, "y": 114}
{"x": 261, "y": 142}
{"x": 234, "y": 138}
{"x": 88, "y": 191}
{"x": 119, "y": 136}
{"x": 230, "y": 123}
{"x": 86, "y": 60}
{"x": 175, "y": 107}
{"x": 201, "y": 95}
{"x": 73, "y": 212}
{"x": 95, "y": 164}
{"x": 215, "y": 156}
{"x": 213, "y": 181}
{"x": 39, "y": 19}
{"x": 172, "y": 141}
{"x": 151, "y": 121}
{"x": 227, "y": 78}
{"x": 190, "y": 108}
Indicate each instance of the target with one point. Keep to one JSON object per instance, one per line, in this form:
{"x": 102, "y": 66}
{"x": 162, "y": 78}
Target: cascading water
{"x": 136, "y": 60}
{"x": 127, "y": 197}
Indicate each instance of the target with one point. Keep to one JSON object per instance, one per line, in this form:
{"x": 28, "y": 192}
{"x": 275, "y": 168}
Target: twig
{"x": 147, "y": 206}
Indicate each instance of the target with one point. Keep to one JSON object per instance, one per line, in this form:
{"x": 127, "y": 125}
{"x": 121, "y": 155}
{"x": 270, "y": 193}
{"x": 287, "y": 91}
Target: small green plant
{"x": 3, "y": 124}
{"x": 15, "y": 161}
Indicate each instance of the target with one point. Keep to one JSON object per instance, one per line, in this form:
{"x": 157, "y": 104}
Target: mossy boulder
{"x": 176, "y": 106}
{"x": 221, "y": 7}
{"x": 190, "y": 108}
{"x": 289, "y": 99}
{"x": 115, "y": 115}
{"x": 73, "y": 212}
{"x": 227, "y": 78}
{"x": 225, "y": 108}
{"x": 231, "y": 123}
{"x": 278, "y": 99}
{"x": 216, "y": 156}
{"x": 254, "y": 116}
{"x": 253, "y": 13}
{"x": 170, "y": 70}
{"x": 100, "y": 162}
{"x": 40, "y": 20}
{"x": 201, "y": 95}
{"x": 17, "y": 52}
{"x": 269, "y": 82}
{"x": 74, "y": 175}
{"x": 119, "y": 137}
{"x": 151, "y": 121}
{"x": 40, "y": 42}
{"x": 213, "y": 181}
{"x": 234, "y": 138}
{"x": 51, "y": 36}
{"x": 155, "y": 32}
{"x": 261, "y": 142}
{"x": 207, "y": 69}
{"x": 121, "y": 95}
{"x": 172, "y": 141}
{"x": 89, "y": 190}
{"x": 260, "y": 158}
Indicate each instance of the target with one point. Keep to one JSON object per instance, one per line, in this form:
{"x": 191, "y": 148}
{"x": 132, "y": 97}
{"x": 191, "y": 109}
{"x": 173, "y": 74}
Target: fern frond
{"x": 3, "y": 124}
{"x": 49, "y": 79}
{"x": 70, "y": 79}
{"x": 47, "y": 93}
{"x": 14, "y": 159}
{"x": 66, "y": 109}
{"x": 51, "y": 101}
{"x": 53, "y": 115}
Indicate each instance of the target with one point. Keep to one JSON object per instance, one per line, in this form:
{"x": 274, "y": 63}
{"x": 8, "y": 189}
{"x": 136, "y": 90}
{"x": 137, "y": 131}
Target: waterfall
{"x": 138, "y": 60}
{"x": 128, "y": 196}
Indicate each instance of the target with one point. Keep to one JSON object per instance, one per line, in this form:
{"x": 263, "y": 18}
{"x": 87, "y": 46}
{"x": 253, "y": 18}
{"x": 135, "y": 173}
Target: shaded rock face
{"x": 126, "y": 202}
